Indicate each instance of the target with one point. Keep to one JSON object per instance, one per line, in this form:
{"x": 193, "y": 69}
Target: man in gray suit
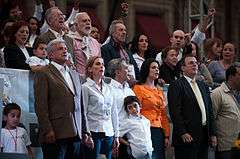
{"x": 61, "y": 116}
{"x": 57, "y": 28}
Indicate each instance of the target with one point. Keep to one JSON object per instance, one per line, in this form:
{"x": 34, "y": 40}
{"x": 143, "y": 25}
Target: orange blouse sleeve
{"x": 164, "y": 118}
{"x": 138, "y": 92}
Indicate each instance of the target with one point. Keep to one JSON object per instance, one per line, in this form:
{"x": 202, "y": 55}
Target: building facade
{"x": 156, "y": 18}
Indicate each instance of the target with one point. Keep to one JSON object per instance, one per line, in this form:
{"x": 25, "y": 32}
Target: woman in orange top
{"x": 153, "y": 106}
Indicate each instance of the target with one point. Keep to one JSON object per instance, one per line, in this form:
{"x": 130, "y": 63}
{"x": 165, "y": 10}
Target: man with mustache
{"x": 190, "y": 108}
{"x": 84, "y": 45}
{"x": 61, "y": 115}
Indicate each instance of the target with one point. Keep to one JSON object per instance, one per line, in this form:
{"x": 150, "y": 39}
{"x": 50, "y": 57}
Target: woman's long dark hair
{"x": 149, "y": 53}
{"x": 145, "y": 69}
{"x": 38, "y": 25}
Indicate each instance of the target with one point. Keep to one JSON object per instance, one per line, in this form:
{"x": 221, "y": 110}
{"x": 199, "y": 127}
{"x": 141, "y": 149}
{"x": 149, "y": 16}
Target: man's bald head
{"x": 177, "y": 39}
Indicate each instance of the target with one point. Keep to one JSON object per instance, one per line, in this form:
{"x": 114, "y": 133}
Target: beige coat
{"x": 227, "y": 115}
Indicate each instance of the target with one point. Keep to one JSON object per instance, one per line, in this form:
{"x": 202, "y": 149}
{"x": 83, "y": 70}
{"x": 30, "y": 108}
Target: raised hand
{"x": 187, "y": 38}
{"x": 211, "y": 12}
{"x": 76, "y": 4}
{"x": 124, "y": 7}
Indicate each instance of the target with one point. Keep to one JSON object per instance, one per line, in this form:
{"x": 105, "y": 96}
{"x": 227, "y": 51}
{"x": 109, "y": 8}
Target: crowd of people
{"x": 93, "y": 98}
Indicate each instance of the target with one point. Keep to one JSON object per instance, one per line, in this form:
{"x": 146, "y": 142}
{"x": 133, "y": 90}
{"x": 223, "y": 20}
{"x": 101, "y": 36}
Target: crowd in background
{"x": 95, "y": 98}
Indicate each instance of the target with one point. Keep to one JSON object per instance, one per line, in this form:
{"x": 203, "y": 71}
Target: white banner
{"x": 17, "y": 87}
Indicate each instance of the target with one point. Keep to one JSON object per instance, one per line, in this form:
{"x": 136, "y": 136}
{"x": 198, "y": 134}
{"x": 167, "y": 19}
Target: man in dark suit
{"x": 191, "y": 112}
{"x": 61, "y": 116}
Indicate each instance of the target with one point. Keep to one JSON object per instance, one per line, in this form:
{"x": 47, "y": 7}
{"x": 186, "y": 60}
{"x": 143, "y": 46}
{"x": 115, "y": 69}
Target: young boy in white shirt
{"x": 39, "y": 59}
{"x": 136, "y": 128}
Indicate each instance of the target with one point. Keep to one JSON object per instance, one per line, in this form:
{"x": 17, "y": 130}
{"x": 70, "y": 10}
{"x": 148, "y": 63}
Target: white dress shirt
{"x": 36, "y": 61}
{"x": 25, "y": 52}
{"x": 99, "y": 105}
{"x": 64, "y": 70}
{"x": 139, "y": 60}
{"x": 137, "y": 130}
{"x": 120, "y": 91}
{"x": 199, "y": 98}
{"x": 32, "y": 39}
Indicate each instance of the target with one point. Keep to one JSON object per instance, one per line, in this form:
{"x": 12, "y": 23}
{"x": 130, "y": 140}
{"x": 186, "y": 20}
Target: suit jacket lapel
{"x": 69, "y": 42}
{"x": 189, "y": 88}
{"x": 22, "y": 56}
{"x": 75, "y": 81}
{"x": 58, "y": 75}
{"x": 50, "y": 36}
{"x": 192, "y": 94}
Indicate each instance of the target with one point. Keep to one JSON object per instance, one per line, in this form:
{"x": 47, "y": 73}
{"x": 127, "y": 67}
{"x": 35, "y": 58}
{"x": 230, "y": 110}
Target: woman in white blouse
{"x": 101, "y": 112}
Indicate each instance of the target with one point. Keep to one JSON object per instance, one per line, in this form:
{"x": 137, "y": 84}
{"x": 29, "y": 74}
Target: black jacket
{"x": 185, "y": 111}
{"x": 110, "y": 51}
{"x": 14, "y": 57}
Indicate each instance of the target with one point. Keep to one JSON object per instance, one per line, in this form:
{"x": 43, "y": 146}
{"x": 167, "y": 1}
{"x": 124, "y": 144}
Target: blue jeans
{"x": 101, "y": 143}
{"x": 158, "y": 142}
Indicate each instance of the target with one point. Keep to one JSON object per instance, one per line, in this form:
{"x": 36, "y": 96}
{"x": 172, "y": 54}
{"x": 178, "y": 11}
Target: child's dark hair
{"x": 129, "y": 100}
{"x": 9, "y": 107}
{"x": 37, "y": 42}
